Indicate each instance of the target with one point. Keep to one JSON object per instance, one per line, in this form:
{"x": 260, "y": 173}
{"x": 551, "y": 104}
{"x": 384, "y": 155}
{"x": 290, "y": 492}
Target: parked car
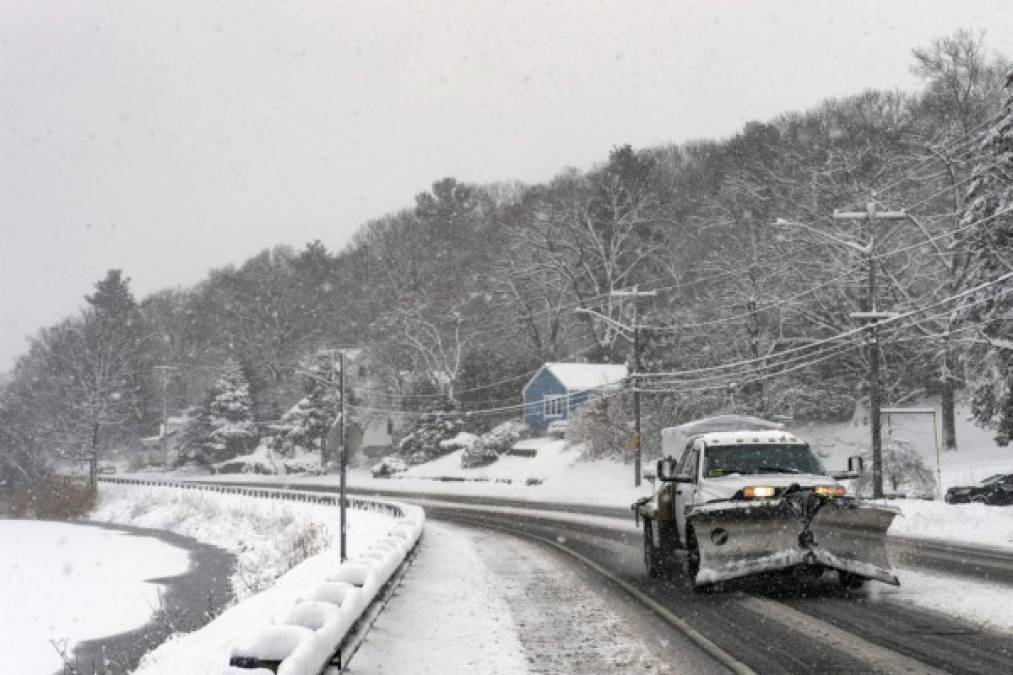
{"x": 105, "y": 467}
{"x": 996, "y": 490}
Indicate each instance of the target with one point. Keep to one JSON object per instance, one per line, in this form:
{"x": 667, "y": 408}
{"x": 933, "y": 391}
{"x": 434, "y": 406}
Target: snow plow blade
{"x": 741, "y": 539}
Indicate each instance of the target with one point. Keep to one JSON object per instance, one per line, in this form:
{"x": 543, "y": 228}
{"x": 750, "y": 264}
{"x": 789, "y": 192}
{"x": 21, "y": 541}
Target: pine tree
{"x": 308, "y": 422}
{"x": 230, "y": 415}
{"x": 989, "y": 212}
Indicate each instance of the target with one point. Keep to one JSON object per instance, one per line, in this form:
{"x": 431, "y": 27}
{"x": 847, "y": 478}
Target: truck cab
{"x": 719, "y": 466}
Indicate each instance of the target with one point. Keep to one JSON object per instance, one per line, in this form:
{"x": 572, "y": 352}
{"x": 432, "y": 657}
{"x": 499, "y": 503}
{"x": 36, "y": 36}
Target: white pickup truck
{"x": 746, "y": 497}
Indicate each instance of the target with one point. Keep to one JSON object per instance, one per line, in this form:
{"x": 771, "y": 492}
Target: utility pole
{"x": 869, "y": 217}
{"x": 165, "y": 412}
{"x": 343, "y": 441}
{"x": 343, "y": 464}
{"x": 634, "y": 295}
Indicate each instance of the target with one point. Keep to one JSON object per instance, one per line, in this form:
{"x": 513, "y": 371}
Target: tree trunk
{"x": 947, "y": 402}
{"x": 948, "y": 415}
{"x": 93, "y": 461}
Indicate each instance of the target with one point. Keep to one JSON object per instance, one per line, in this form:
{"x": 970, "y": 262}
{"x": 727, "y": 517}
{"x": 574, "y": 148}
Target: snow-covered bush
{"x": 387, "y": 467}
{"x": 424, "y": 443}
{"x": 904, "y": 472}
{"x": 489, "y": 446}
{"x": 462, "y": 441}
{"x": 602, "y": 427}
{"x": 301, "y": 462}
{"x": 260, "y": 461}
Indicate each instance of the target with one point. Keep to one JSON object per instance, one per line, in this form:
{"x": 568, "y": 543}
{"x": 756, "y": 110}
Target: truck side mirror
{"x": 856, "y": 467}
{"x": 649, "y": 476}
{"x": 666, "y": 469}
{"x": 667, "y": 472}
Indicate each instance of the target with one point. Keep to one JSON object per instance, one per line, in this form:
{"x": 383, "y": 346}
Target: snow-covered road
{"x": 479, "y": 601}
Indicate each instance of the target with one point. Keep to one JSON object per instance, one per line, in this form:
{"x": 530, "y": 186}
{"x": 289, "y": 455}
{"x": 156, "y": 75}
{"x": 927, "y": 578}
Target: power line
{"x": 853, "y": 331}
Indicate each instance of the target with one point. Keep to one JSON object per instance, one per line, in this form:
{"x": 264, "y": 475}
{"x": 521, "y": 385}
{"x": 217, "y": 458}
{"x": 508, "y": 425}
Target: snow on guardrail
{"x": 309, "y": 638}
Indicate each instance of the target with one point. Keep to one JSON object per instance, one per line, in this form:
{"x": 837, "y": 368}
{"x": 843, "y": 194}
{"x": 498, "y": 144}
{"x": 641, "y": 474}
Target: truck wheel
{"x": 650, "y": 553}
{"x": 850, "y": 581}
{"x": 668, "y": 537}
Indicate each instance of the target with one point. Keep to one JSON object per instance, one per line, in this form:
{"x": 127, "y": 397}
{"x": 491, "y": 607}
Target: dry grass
{"x": 50, "y": 498}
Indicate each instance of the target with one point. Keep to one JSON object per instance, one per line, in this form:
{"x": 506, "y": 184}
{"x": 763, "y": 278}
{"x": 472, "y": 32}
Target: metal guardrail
{"x": 331, "y": 621}
{"x": 305, "y": 496}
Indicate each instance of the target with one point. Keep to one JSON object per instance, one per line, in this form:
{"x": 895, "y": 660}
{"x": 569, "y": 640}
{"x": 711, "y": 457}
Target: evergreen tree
{"x": 989, "y": 211}
{"x": 230, "y": 415}
{"x": 308, "y": 422}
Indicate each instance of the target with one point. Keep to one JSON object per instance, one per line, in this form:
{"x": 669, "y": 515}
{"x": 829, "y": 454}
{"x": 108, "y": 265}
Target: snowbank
{"x": 977, "y": 524}
{"x": 301, "y": 618}
{"x": 268, "y": 537}
{"x": 318, "y": 621}
{"x": 979, "y": 602}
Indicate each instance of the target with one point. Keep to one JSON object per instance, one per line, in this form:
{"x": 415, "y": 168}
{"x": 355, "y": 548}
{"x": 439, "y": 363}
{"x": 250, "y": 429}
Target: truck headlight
{"x": 830, "y": 490}
{"x": 758, "y": 491}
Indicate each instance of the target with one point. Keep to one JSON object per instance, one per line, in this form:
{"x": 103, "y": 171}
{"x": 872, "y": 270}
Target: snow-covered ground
{"x": 268, "y": 537}
{"x": 556, "y": 473}
{"x": 977, "y": 524}
{"x": 982, "y": 603}
{"x": 65, "y": 583}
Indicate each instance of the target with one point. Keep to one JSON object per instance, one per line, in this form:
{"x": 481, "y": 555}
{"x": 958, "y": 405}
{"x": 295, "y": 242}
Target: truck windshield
{"x": 724, "y": 460}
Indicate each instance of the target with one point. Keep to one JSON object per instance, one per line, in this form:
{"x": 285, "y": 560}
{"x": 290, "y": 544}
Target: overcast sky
{"x": 167, "y": 138}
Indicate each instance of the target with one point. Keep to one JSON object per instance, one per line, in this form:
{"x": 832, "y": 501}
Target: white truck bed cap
{"x": 674, "y": 439}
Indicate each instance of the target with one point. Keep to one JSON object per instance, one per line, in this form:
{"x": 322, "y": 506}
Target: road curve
{"x": 765, "y": 627}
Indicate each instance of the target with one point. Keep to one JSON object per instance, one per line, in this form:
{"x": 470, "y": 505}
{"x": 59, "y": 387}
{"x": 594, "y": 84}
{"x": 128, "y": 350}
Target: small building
{"x": 556, "y": 390}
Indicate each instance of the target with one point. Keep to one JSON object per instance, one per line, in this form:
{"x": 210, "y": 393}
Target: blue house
{"x": 556, "y": 390}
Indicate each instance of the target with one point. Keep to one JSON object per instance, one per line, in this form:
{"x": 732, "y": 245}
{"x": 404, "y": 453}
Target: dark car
{"x": 996, "y": 490}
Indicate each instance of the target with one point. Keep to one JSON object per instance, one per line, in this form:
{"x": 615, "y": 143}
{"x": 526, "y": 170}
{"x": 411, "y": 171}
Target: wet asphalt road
{"x": 188, "y": 602}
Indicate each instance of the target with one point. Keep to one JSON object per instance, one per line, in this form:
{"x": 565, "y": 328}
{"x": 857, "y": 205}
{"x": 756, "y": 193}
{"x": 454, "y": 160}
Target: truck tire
{"x": 668, "y": 537}
{"x": 652, "y": 562}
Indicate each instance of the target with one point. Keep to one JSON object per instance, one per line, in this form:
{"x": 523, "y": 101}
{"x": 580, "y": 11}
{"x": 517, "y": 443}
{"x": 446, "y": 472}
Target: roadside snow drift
{"x": 301, "y": 619}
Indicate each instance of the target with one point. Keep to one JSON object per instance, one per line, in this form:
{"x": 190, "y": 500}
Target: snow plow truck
{"x": 743, "y": 496}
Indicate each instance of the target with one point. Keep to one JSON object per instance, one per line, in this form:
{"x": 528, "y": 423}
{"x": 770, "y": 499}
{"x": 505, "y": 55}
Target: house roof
{"x": 584, "y": 376}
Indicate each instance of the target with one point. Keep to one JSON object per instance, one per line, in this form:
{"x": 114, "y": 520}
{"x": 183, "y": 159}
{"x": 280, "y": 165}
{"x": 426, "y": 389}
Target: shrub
{"x": 904, "y": 472}
{"x": 49, "y": 498}
{"x": 603, "y": 428}
{"x": 490, "y": 445}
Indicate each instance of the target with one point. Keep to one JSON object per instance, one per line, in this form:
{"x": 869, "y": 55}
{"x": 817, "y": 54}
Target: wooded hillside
{"x": 458, "y": 298}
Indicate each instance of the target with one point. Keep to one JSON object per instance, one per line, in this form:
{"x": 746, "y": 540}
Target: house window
{"x": 552, "y": 406}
